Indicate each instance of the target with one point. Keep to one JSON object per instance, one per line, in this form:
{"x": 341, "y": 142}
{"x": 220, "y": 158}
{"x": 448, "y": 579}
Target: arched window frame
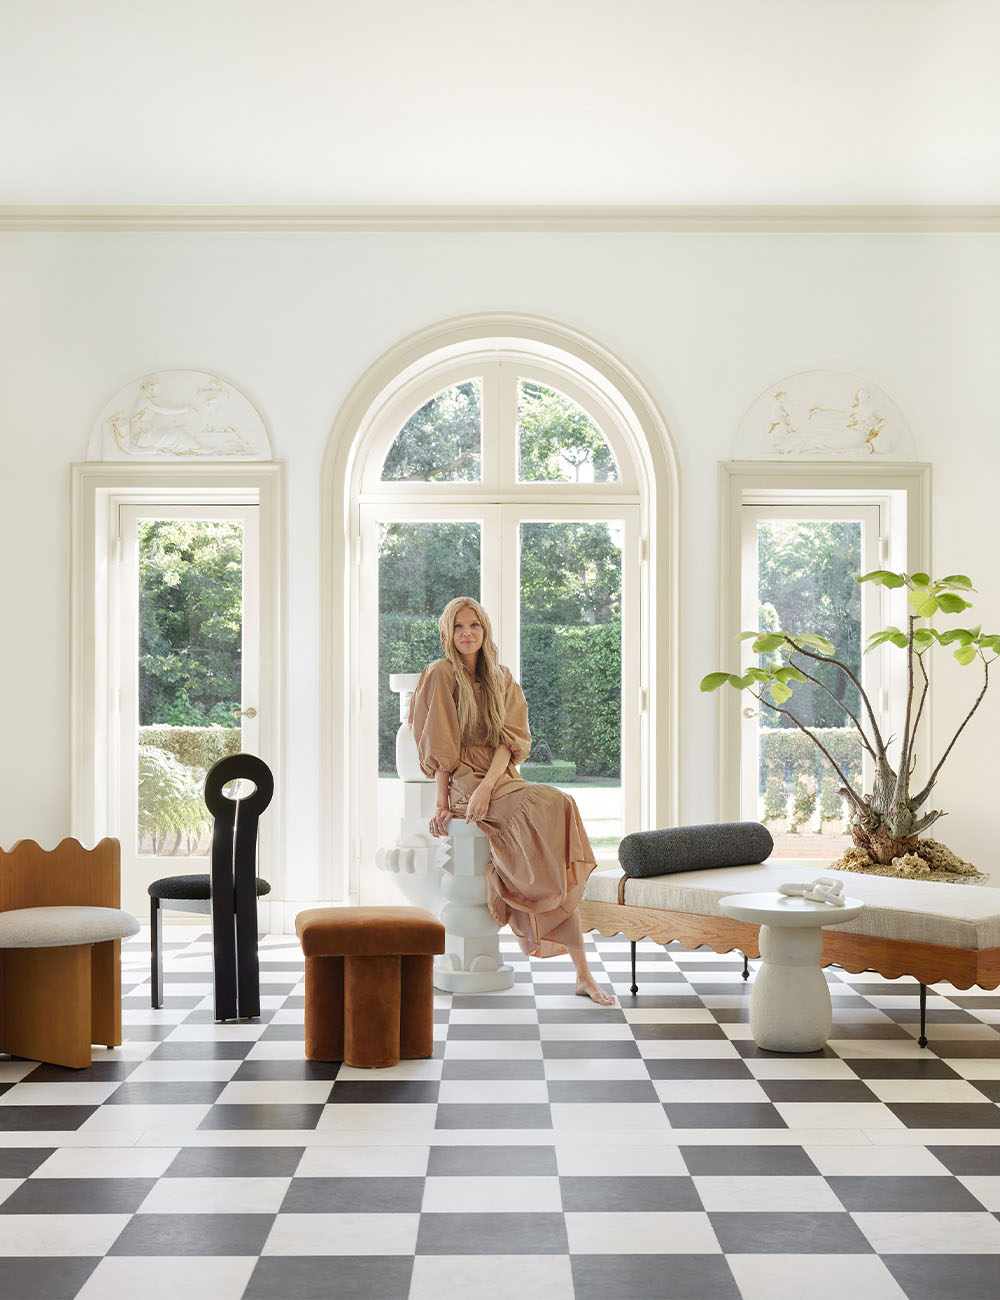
{"x": 383, "y": 399}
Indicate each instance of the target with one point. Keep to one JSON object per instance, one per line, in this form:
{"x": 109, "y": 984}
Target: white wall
{"x": 708, "y": 321}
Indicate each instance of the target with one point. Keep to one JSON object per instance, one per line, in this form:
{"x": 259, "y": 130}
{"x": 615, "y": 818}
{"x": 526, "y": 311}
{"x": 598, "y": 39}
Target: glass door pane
{"x": 802, "y": 579}
{"x": 570, "y": 627}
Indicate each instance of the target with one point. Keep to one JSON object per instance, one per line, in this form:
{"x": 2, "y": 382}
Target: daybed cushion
{"x": 921, "y": 911}
{"x": 692, "y": 848}
{"x": 61, "y": 927}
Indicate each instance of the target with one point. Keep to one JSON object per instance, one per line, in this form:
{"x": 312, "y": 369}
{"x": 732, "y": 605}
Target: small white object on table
{"x": 790, "y": 1008}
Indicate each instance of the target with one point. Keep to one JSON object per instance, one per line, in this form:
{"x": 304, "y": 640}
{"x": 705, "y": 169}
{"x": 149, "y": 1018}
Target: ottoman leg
{"x": 324, "y": 1037}
{"x": 371, "y": 1011}
{"x": 416, "y": 1007}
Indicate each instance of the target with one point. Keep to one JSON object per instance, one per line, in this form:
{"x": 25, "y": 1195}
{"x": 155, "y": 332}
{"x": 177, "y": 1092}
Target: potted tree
{"x": 886, "y": 821}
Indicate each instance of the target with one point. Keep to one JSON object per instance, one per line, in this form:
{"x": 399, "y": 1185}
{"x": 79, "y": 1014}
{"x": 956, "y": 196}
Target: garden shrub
{"x": 556, "y": 773}
{"x": 193, "y": 746}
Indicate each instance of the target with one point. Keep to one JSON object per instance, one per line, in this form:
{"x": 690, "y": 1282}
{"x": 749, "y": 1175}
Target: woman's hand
{"x": 439, "y": 822}
{"x": 479, "y": 803}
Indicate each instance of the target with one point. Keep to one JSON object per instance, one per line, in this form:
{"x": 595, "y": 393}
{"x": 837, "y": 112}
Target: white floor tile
{"x": 611, "y": 1032}
{"x": 924, "y": 1090}
{"x": 975, "y": 1068}
{"x": 222, "y": 1277}
{"x": 875, "y": 1161}
{"x": 184, "y": 1071}
{"x": 679, "y": 1233}
{"x": 138, "y": 1118}
{"x": 363, "y": 1162}
{"x": 238, "y": 1031}
{"x": 358, "y": 1117}
{"x": 58, "y": 1094}
{"x": 427, "y": 1069}
{"x": 669, "y": 1016}
{"x": 639, "y": 1161}
{"x": 482, "y": 1049}
{"x": 709, "y": 1090}
{"x": 343, "y": 1234}
{"x": 486, "y": 1016}
{"x": 774, "y": 1194}
{"x": 840, "y": 1114}
{"x": 985, "y": 1189}
{"x": 600, "y": 1116}
{"x": 820, "y": 1277}
{"x": 493, "y": 1091}
{"x": 496, "y": 1195}
{"x": 687, "y": 1049}
{"x": 931, "y": 1234}
{"x": 596, "y": 1069}
{"x": 276, "y": 1092}
{"x": 59, "y": 1234}
{"x": 97, "y": 1162}
{"x": 492, "y": 1277}
{"x": 216, "y": 1196}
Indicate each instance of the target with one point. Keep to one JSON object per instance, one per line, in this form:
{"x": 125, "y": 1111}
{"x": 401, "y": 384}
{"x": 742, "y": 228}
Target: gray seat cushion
{"x": 196, "y": 886}
{"x": 694, "y": 848}
{"x": 61, "y": 927}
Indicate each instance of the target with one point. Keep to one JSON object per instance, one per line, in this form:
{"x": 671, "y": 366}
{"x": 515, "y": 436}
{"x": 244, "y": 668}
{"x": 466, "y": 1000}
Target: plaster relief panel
{"x": 824, "y": 415}
{"x": 179, "y": 415}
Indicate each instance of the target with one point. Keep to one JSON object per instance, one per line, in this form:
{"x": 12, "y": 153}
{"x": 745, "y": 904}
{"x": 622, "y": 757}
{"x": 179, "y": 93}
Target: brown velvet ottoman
{"x": 369, "y": 991}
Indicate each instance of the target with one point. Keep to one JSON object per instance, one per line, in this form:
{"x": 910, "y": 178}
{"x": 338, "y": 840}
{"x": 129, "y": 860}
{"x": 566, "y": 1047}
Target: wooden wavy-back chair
{"x": 59, "y": 997}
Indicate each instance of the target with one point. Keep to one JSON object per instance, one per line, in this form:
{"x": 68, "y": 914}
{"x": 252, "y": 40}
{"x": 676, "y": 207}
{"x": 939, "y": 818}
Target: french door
{"x": 560, "y": 583}
{"x": 798, "y": 567}
{"x": 186, "y": 686}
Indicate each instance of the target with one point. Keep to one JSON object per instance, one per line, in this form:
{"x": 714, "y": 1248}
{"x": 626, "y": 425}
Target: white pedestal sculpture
{"x": 790, "y": 1008}
{"x": 423, "y": 863}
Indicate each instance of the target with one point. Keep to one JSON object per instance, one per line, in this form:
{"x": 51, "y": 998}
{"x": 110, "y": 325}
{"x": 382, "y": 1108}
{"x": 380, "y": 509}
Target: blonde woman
{"x": 470, "y": 722}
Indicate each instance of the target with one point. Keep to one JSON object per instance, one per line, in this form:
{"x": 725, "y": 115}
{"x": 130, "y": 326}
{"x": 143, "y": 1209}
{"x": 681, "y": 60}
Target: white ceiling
{"x": 487, "y": 102}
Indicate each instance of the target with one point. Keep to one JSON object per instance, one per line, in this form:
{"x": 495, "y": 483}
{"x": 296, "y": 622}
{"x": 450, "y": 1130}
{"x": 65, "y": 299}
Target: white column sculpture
{"x": 471, "y": 961}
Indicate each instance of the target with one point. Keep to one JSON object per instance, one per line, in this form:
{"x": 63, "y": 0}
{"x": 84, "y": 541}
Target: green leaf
{"x": 958, "y": 580}
{"x": 951, "y": 604}
{"x": 780, "y": 693}
{"x": 900, "y": 639}
{"x": 713, "y": 681}
{"x": 745, "y": 636}
{"x": 924, "y": 606}
{"x": 789, "y": 674}
{"x": 768, "y": 642}
{"x": 814, "y": 642}
{"x": 966, "y": 653}
{"x": 960, "y": 634}
{"x": 741, "y": 683}
{"x": 883, "y": 578}
{"x": 758, "y": 674}
{"x": 924, "y": 637}
{"x": 920, "y": 579}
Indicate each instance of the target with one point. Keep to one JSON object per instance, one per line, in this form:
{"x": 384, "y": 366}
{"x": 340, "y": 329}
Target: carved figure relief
{"x": 180, "y": 414}
{"x": 824, "y": 415}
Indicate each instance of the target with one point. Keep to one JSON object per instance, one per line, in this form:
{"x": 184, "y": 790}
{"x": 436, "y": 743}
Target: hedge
{"x": 787, "y": 753}
{"x": 571, "y": 678}
{"x": 193, "y": 746}
{"x": 548, "y": 773}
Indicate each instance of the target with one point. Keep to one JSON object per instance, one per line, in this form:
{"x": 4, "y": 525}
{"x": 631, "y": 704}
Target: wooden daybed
{"x": 930, "y": 931}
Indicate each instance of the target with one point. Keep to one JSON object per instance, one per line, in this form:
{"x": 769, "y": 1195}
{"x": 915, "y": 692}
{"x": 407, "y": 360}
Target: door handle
{"x": 245, "y": 713}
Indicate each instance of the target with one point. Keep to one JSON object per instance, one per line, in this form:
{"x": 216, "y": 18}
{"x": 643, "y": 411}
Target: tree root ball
{"x": 930, "y": 860}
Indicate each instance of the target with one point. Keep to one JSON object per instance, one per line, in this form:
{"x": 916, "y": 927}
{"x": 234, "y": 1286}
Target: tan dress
{"x": 541, "y": 856}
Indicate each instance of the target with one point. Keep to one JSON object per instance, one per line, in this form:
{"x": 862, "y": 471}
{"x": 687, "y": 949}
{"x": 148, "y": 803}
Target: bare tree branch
{"x": 861, "y": 731}
{"x": 933, "y": 776}
{"x": 849, "y": 790}
{"x": 827, "y": 659}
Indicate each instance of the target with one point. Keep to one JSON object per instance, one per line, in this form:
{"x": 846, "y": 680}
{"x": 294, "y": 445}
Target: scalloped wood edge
{"x": 26, "y": 844}
{"x": 929, "y": 963}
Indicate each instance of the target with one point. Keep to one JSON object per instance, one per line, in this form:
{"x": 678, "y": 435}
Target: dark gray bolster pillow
{"x": 694, "y": 848}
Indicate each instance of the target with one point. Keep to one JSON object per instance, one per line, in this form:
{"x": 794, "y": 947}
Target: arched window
{"x": 511, "y": 472}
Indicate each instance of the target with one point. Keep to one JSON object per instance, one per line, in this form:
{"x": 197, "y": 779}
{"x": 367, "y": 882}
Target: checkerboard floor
{"x": 549, "y": 1148}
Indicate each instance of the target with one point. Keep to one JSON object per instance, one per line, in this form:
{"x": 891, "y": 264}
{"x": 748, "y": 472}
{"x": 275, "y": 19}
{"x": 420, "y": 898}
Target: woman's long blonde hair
{"x": 487, "y": 670}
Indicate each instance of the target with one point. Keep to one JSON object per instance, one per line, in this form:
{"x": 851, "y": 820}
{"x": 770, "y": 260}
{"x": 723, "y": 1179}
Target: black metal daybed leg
{"x": 922, "y": 1040}
{"x": 746, "y": 967}
{"x": 635, "y": 986}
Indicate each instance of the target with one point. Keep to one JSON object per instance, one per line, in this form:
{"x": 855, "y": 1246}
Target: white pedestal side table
{"x": 790, "y": 1008}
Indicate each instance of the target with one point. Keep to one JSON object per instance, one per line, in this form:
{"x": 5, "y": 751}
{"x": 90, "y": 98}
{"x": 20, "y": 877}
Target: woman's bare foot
{"x": 588, "y": 989}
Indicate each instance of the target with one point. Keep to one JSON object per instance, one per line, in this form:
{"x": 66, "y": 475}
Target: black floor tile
{"x": 747, "y": 1161}
{"x": 623, "y": 1194}
{"x": 932, "y": 1194}
{"x": 492, "y": 1033}
{"x": 21, "y": 1162}
{"x": 801, "y": 1233}
{"x": 951, "y": 1114}
{"x": 58, "y": 1278}
{"x": 817, "y": 1090}
{"x": 969, "y": 1160}
{"x": 497, "y": 1115}
{"x": 623, "y": 1091}
{"x": 867, "y": 1068}
{"x": 98, "y": 1072}
{"x": 364, "y": 1092}
{"x": 354, "y": 1196}
{"x": 492, "y": 1162}
{"x": 722, "y": 1114}
{"x": 945, "y": 1277}
{"x": 194, "y": 1234}
{"x": 235, "y": 1162}
{"x": 570, "y": 1049}
{"x": 281, "y": 1071}
{"x": 200, "y": 1092}
{"x": 230, "y": 1049}
{"x": 492, "y": 1234}
{"x": 464, "y": 1070}
{"x": 259, "y": 1116}
{"x": 319, "y": 1277}
{"x": 19, "y": 1119}
{"x": 78, "y": 1196}
{"x": 709, "y": 1068}
{"x": 653, "y": 1277}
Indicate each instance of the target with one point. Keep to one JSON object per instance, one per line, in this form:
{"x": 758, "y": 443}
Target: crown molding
{"x": 720, "y": 219}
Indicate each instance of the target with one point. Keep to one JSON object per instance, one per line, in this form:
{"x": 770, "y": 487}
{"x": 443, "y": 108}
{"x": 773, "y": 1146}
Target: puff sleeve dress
{"x": 540, "y": 854}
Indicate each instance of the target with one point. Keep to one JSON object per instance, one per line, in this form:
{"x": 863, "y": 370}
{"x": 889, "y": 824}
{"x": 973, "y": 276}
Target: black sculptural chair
{"x": 229, "y": 894}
